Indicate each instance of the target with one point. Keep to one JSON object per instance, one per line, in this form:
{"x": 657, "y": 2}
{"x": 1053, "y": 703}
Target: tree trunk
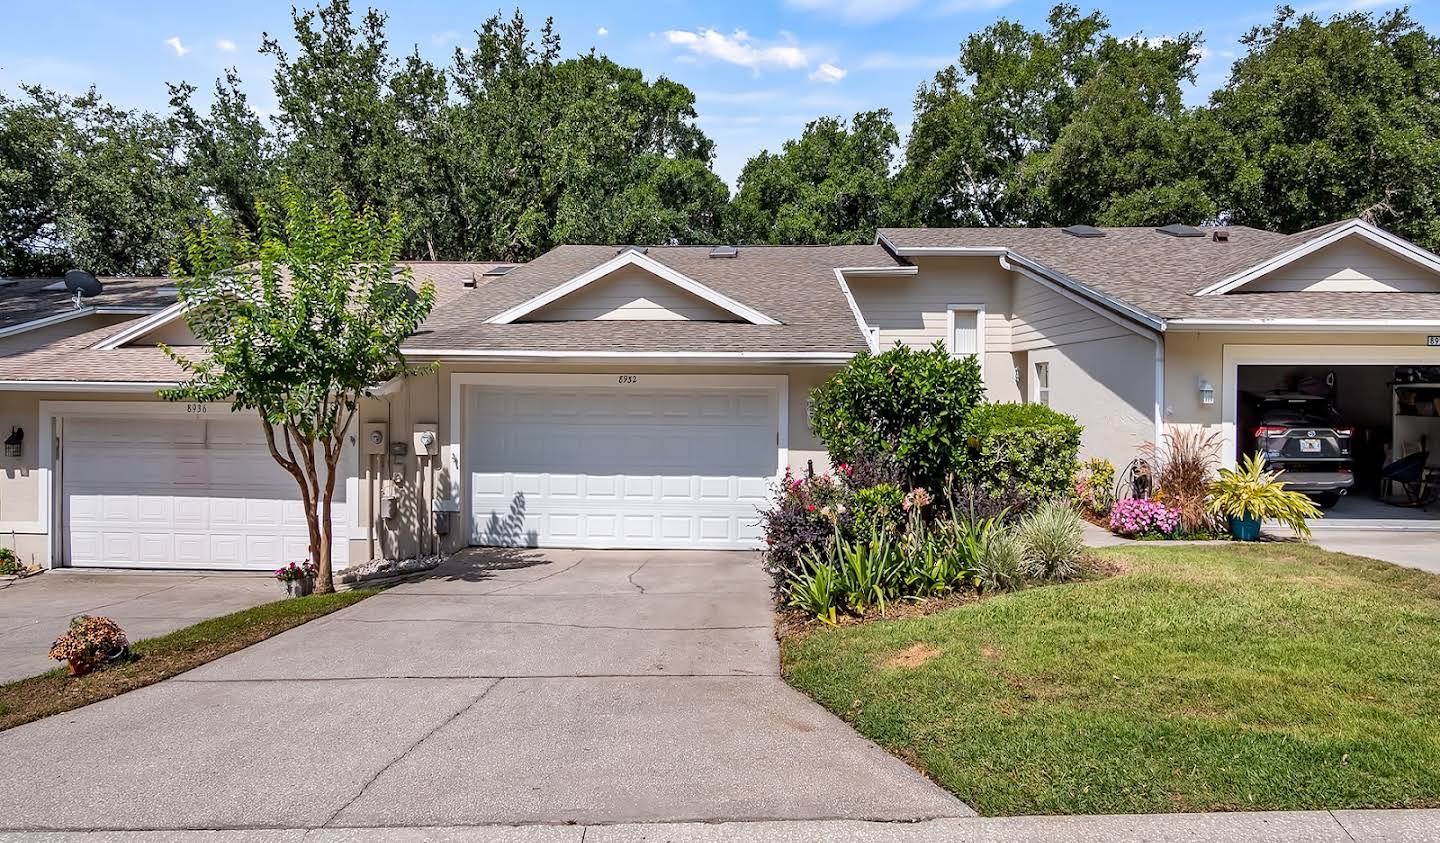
{"x": 293, "y": 466}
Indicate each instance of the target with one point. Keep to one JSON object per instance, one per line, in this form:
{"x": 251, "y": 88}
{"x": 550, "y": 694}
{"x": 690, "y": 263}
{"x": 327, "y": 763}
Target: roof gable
{"x": 656, "y": 269}
{"x": 1351, "y": 257}
{"x": 631, "y": 294}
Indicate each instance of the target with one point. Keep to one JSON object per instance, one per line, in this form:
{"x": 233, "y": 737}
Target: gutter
{"x": 521, "y": 356}
{"x": 85, "y": 386}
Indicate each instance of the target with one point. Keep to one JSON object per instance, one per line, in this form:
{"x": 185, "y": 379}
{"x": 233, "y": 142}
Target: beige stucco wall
{"x": 1351, "y": 264}
{"x": 1108, "y": 385}
{"x": 913, "y": 310}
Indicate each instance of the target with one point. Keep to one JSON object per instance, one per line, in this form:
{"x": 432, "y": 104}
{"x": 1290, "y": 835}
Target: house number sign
{"x": 1432, "y": 341}
{"x": 634, "y": 379}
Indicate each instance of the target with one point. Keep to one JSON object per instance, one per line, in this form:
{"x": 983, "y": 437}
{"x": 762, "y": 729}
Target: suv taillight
{"x": 1345, "y": 431}
{"x": 1266, "y": 431}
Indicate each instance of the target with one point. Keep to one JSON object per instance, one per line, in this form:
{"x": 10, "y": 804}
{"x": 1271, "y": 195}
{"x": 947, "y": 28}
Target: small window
{"x": 1042, "y": 383}
{"x": 966, "y": 324}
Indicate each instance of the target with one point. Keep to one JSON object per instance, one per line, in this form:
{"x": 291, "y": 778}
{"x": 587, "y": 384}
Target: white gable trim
{"x": 1397, "y": 246}
{"x": 142, "y": 327}
{"x": 75, "y": 313}
{"x": 631, "y": 257}
{"x": 872, "y": 335}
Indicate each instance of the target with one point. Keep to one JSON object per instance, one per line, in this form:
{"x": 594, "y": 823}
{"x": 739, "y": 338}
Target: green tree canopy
{"x": 832, "y": 185}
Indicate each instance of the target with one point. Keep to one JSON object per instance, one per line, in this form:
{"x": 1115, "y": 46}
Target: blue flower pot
{"x": 1245, "y": 529}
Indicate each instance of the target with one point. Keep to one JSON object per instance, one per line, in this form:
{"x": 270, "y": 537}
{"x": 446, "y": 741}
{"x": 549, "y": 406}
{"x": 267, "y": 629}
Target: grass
{"x": 1200, "y": 678}
{"x": 164, "y": 656}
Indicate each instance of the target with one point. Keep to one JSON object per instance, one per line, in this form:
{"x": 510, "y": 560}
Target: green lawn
{"x": 164, "y": 656}
{"x": 1201, "y": 678}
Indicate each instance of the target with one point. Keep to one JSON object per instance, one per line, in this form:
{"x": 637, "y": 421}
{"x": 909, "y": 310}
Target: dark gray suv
{"x": 1303, "y": 436}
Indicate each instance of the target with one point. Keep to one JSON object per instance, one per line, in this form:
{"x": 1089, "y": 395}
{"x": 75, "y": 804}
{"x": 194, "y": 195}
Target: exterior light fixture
{"x": 14, "y": 442}
{"x": 1207, "y": 392}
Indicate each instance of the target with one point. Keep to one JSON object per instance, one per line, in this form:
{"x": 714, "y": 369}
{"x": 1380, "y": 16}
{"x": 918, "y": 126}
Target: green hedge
{"x": 1028, "y": 450}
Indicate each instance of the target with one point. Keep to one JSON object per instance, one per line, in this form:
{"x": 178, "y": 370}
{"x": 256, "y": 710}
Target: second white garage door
{"x": 167, "y": 492}
{"x": 621, "y": 464}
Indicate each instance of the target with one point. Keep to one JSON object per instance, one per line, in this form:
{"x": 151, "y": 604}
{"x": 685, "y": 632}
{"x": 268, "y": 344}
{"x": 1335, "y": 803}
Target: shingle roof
{"x": 28, "y": 299}
{"x": 1160, "y": 274}
{"x": 794, "y": 285}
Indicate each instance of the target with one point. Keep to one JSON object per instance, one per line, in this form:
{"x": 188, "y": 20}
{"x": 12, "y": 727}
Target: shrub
{"x": 802, "y": 520}
{"x": 10, "y": 563}
{"x": 1001, "y": 559}
{"x": 878, "y": 509}
{"x": 1182, "y": 467}
{"x": 1024, "y": 449}
{"x": 1095, "y": 486}
{"x": 1142, "y": 517}
{"x": 1053, "y": 536}
{"x": 910, "y": 403}
{"x": 870, "y": 469}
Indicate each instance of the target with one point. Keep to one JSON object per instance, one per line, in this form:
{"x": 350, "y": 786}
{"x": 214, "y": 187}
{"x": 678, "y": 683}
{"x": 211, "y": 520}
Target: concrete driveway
{"x": 565, "y": 687}
{"x": 35, "y": 610}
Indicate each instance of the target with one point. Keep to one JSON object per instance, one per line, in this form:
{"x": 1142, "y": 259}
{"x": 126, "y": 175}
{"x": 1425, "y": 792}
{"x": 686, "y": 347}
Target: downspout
{"x": 1159, "y": 388}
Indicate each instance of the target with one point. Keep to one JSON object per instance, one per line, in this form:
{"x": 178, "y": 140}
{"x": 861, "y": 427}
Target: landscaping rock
{"x": 386, "y": 568}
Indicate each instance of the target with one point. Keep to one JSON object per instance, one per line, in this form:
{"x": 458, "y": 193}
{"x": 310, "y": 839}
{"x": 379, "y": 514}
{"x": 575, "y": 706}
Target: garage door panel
{"x": 602, "y": 467}
{"x": 155, "y": 493}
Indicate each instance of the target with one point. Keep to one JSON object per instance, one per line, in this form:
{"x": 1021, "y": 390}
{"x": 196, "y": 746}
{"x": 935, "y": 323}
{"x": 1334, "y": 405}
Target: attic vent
{"x": 1083, "y": 231}
{"x": 1178, "y": 230}
{"x": 724, "y": 252}
{"x": 496, "y": 271}
{"x": 623, "y": 249}
{"x": 1221, "y": 235}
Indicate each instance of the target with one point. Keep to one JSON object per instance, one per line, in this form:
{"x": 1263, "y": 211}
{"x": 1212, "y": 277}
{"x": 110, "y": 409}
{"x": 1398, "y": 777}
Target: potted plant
{"x": 298, "y": 579}
{"x": 10, "y": 563}
{"x": 90, "y": 640}
{"x": 1248, "y": 495}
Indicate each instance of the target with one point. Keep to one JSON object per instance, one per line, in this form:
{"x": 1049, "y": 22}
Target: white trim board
{"x": 632, "y": 257}
{"x": 1397, "y": 246}
{"x": 140, "y": 328}
{"x": 460, "y": 482}
{"x": 75, "y": 313}
{"x": 1232, "y": 357}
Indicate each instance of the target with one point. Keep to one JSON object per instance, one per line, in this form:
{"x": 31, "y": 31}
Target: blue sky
{"x": 760, "y": 70}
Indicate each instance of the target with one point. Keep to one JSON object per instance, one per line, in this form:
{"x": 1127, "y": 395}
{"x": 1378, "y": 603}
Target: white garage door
{"x": 620, "y": 465}
{"x": 167, "y": 492}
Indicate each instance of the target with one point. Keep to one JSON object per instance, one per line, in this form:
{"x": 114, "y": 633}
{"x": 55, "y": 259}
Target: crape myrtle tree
{"x": 298, "y": 327}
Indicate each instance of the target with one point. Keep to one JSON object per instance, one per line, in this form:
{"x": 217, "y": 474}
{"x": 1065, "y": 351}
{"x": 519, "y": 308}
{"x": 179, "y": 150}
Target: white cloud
{"x": 828, "y": 73}
{"x": 602, "y": 32}
{"x": 174, "y": 44}
{"x": 738, "y": 48}
{"x": 224, "y": 45}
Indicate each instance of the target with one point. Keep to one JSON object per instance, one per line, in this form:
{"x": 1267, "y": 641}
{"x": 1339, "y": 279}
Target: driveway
{"x": 584, "y": 687}
{"x": 35, "y": 610}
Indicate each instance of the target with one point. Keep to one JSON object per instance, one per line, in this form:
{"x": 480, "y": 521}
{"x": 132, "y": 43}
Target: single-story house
{"x": 648, "y": 397}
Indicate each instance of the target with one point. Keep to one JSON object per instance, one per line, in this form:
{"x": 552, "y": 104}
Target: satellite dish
{"x": 82, "y": 285}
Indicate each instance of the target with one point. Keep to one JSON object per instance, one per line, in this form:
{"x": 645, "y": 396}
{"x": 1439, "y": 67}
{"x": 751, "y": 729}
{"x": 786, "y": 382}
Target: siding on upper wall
{"x": 913, "y": 310}
{"x": 631, "y": 293}
{"x": 1351, "y": 265}
{"x": 1045, "y": 318}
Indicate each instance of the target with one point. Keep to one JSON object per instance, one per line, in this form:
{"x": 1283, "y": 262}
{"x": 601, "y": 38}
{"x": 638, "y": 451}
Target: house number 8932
{"x": 629, "y": 379}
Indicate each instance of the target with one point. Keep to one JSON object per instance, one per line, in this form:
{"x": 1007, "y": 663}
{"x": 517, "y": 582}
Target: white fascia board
{"x": 941, "y": 251}
{"x": 1397, "y": 246}
{"x": 622, "y": 356}
{"x": 86, "y": 386}
{"x": 142, "y": 327}
{"x": 75, "y": 313}
{"x": 872, "y": 338}
{"x": 631, "y": 257}
{"x": 1203, "y": 324}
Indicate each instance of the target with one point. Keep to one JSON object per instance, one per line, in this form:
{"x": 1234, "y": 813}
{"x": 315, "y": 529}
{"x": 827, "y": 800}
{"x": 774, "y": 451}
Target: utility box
{"x": 372, "y": 439}
{"x": 427, "y": 440}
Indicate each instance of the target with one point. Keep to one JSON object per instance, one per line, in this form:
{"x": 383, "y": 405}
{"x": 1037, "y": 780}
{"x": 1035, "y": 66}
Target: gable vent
{"x": 1083, "y": 231}
{"x": 724, "y": 252}
{"x": 496, "y": 271}
{"x": 1178, "y": 230}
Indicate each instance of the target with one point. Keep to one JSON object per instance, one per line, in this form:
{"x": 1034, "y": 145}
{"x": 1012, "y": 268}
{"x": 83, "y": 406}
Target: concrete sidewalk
{"x": 1340, "y": 826}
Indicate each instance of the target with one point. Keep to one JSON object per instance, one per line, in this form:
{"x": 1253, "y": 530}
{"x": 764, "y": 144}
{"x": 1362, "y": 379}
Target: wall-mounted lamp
{"x": 14, "y": 442}
{"x": 1207, "y": 392}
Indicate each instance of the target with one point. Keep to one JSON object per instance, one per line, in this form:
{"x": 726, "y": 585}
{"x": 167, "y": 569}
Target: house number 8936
{"x": 196, "y": 409}
{"x": 629, "y": 379}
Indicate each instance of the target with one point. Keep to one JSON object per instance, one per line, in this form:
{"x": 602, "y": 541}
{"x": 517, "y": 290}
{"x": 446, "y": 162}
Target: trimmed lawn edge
{"x": 159, "y": 658}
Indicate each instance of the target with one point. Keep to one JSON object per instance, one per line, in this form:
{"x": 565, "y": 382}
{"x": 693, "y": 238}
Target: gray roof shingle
{"x": 28, "y": 299}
